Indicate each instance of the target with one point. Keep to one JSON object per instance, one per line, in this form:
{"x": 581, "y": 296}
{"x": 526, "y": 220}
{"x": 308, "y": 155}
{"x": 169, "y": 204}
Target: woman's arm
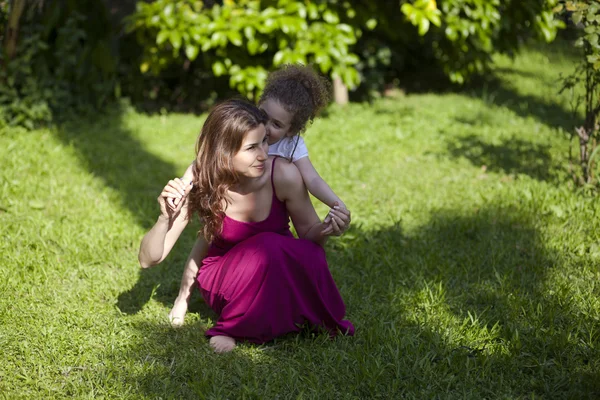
{"x": 290, "y": 189}
{"x": 192, "y": 265}
{"x": 159, "y": 241}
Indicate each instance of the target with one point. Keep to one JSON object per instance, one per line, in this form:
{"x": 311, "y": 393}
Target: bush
{"x": 586, "y": 75}
{"x": 372, "y": 41}
{"x": 181, "y": 51}
{"x": 244, "y": 39}
{"x": 65, "y": 64}
{"x": 457, "y": 37}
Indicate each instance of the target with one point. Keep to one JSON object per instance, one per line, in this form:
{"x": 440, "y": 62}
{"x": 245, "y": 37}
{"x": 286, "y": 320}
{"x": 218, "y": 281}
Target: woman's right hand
{"x": 159, "y": 241}
{"x": 173, "y": 196}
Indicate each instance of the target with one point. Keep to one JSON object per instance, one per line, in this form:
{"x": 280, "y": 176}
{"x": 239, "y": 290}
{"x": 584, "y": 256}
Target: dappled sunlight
{"x": 520, "y": 85}
{"x": 432, "y": 314}
{"x": 470, "y": 268}
{"x": 113, "y": 152}
{"x": 130, "y": 158}
{"x": 510, "y": 156}
{"x": 470, "y": 290}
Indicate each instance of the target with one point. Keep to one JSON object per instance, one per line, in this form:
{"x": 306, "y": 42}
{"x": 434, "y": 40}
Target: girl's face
{"x": 249, "y": 161}
{"x": 280, "y": 120}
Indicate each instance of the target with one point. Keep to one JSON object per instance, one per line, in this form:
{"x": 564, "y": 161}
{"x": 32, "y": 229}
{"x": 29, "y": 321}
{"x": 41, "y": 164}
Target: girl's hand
{"x": 339, "y": 221}
{"x": 172, "y": 197}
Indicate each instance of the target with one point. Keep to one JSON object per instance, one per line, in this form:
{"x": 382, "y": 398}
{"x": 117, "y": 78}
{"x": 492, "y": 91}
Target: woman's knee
{"x": 264, "y": 249}
{"x": 268, "y": 237}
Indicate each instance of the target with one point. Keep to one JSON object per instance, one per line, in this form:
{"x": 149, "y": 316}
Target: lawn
{"x": 471, "y": 269}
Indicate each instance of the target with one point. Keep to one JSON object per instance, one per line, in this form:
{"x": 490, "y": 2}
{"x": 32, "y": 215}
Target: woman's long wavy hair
{"x": 220, "y": 139}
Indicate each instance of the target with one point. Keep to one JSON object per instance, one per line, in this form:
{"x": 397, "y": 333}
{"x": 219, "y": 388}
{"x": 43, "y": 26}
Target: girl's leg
{"x": 177, "y": 314}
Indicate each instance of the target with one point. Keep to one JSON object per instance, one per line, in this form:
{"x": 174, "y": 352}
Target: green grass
{"x": 470, "y": 271}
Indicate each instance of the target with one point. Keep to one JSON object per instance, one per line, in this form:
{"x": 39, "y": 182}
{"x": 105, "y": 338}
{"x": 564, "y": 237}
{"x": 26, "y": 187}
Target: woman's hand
{"x": 338, "y": 221}
{"x": 172, "y": 198}
{"x": 159, "y": 241}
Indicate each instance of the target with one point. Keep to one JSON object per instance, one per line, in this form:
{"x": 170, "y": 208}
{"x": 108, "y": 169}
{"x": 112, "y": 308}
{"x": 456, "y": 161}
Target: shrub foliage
{"x": 356, "y": 41}
{"x": 65, "y": 62}
{"x": 585, "y": 15}
{"x": 68, "y": 56}
{"x": 245, "y": 39}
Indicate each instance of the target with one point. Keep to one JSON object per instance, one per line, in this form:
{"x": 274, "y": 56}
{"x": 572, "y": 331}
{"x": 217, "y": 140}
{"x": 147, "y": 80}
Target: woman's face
{"x": 280, "y": 120}
{"x": 249, "y": 161}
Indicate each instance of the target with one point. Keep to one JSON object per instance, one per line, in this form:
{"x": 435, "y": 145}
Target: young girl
{"x": 292, "y": 98}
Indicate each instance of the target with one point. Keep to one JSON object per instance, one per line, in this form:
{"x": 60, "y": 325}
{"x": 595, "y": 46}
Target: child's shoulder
{"x": 290, "y": 147}
{"x": 289, "y": 142}
{"x": 299, "y": 138}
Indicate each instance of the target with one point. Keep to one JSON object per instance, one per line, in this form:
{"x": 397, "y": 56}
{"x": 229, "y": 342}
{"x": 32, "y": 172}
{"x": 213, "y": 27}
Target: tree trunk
{"x": 588, "y": 130}
{"x": 12, "y": 30}
{"x": 340, "y": 91}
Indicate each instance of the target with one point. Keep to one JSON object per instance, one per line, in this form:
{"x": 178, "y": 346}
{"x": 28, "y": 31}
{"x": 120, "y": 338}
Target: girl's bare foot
{"x": 177, "y": 314}
{"x": 222, "y": 344}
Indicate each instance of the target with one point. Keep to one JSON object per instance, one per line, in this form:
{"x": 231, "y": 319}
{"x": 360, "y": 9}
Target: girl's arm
{"x": 159, "y": 241}
{"x": 316, "y": 185}
{"x": 339, "y": 216}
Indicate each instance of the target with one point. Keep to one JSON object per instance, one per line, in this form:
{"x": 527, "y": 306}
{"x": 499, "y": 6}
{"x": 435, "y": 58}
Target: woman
{"x": 261, "y": 280}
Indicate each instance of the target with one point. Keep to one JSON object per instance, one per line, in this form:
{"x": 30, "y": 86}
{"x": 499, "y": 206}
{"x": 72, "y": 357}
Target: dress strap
{"x": 272, "y": 171}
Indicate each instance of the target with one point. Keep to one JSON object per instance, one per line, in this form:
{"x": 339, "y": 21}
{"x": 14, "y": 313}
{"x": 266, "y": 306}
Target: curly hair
{"x": 220, "y": 139}
{"x": 300, "y": 90}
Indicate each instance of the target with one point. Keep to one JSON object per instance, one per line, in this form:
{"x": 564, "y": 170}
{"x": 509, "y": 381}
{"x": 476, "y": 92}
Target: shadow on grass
{"x": 473, "y": 306}
{"x": 497, "y": 92}
{"x": 161, "y": 282}
{"x": 466, "y": 306}
{"x": 110, "y": 152}
{"x": 512, "y": 156}
{"x": 500, "y": 88}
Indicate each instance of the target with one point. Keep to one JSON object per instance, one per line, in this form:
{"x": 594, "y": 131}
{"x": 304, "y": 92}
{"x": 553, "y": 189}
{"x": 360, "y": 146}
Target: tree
{"x": 585, "y": 14}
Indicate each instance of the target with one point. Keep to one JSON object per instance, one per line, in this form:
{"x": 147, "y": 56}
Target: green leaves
{"x": 586, "y": 14}
{"x": 422, "y": 14}
{"x": 64, "y": 65}
{"x": 459, "y": 35}
{"x": 191, "y": 51}
{"x": 219, "y": 68}
{"x": 293, "y": 32}
{"x": 175, "y": 39}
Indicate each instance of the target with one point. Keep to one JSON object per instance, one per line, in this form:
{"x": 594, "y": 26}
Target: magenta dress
{"x": 264, "y": 283}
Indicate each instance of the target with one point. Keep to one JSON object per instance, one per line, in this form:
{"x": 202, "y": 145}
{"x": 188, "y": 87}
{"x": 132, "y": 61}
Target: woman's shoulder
{"x": 286, "y": 176}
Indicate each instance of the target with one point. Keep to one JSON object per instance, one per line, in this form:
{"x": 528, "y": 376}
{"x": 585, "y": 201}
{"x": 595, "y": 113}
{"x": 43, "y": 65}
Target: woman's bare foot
{"x": 222, "y": 344}
{"x": 177, "y": 314}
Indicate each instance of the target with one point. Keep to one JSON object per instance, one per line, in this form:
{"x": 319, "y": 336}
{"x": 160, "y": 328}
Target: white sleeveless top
{"x": 285, "y": 146}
